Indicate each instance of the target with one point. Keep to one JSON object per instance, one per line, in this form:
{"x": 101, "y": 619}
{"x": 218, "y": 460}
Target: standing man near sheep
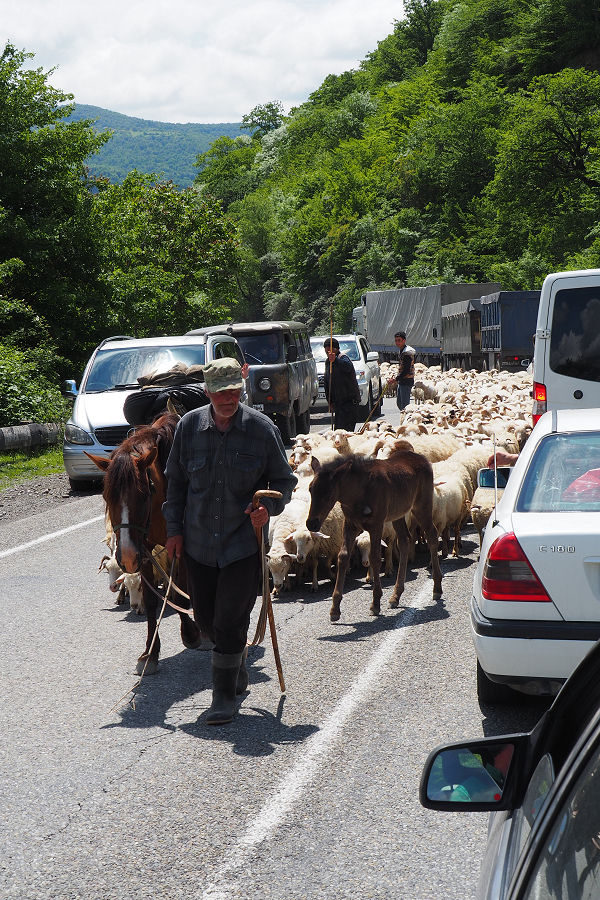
{"x": 406, "y": 375}
{"x": 341, "y": 387}
{"x": 222, "y": 454}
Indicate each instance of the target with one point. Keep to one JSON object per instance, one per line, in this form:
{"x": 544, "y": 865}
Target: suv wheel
{"x": 366, "y": 409}
{"x": 303, "y": 422}
{"x": 287, "y": 427}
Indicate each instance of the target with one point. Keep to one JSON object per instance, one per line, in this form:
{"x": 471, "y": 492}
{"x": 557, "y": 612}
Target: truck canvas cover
{"x": 456, "y": 326}
{"x": 415, "y": 310}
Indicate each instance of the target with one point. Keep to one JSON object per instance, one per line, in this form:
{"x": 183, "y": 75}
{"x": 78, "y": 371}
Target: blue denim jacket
{"x": 212, "y": 478}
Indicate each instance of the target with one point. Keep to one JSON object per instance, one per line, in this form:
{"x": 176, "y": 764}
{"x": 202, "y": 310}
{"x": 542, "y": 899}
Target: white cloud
{"x": 195, "y": 60}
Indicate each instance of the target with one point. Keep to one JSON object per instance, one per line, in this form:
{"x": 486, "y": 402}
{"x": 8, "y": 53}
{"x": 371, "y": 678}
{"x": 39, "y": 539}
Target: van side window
{"x": 575, "y": 330}
{"x": 228, "y": 349}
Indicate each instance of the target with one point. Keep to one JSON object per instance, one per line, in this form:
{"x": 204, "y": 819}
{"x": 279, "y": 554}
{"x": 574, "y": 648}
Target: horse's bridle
{"x": 133, "y": 526}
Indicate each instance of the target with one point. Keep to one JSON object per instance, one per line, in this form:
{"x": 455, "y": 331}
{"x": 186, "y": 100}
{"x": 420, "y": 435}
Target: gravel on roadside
{"x": 38, "y": 495}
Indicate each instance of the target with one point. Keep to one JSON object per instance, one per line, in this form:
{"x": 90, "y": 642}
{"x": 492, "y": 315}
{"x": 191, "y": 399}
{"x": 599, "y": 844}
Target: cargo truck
{"x": 415, "y": 310}
{"x": 508, "y": 323}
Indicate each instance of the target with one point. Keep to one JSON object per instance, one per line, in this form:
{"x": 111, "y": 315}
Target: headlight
{"x": 75, "y": 435}
{"x": 265, "y": 384}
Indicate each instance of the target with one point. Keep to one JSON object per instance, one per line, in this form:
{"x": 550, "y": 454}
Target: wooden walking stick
{"x": 330, "y": 362}
{"x": 267, "y": 604}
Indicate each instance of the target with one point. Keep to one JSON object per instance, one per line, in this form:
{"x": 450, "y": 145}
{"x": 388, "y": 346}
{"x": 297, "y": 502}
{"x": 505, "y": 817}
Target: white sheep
{"x": 311, "y": 546}
{"x": 132, "y": 582}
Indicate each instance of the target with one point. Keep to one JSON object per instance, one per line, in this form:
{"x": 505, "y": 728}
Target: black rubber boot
{"x": 242, "y": 679}
{"x": 225, "y": 668}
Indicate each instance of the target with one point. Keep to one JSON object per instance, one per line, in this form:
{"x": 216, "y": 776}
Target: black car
{"x": 543, "y": 790}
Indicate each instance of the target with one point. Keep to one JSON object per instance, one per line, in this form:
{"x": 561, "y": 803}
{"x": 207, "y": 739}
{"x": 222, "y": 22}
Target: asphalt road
{"x": 311, "y": 794}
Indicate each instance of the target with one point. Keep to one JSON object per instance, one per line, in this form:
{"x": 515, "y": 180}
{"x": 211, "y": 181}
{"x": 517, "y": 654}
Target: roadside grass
{"x": 17, "y": 466}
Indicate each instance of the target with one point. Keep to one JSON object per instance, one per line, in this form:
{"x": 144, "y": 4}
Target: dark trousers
{"x": 223, "y": 599}
{"x": 345, "y": 416}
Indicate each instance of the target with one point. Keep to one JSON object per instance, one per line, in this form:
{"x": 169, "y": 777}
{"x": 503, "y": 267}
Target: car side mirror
{"x": 69, "y": 389}
{"x": 478, "y": 775}
{"x": 291, "y": 354}
{"x": 372, "y": 356}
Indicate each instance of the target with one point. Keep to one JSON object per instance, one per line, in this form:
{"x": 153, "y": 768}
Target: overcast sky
{"x": 195, "y": 60}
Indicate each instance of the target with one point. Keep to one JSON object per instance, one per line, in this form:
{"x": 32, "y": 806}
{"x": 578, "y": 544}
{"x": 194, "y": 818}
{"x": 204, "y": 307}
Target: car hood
{"x": 101, "y": 410}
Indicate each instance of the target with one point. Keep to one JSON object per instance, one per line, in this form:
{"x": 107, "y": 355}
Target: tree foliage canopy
{"x": 466, "y": 146}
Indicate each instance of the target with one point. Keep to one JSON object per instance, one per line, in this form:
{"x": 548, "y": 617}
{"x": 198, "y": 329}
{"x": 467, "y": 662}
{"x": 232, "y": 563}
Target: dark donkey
{"x": 134, "y": 491}
{"x": 371, "y": 492}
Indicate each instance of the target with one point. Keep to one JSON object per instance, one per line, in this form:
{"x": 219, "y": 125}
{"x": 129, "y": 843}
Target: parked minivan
{"x": 98, "y": 423}
{"x": 566, "y": 360}
{"x": 283, "y": 373}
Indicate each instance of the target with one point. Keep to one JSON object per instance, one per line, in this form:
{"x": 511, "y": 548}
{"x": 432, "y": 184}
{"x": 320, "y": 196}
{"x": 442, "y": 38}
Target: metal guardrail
{"x": 32, "y": 434}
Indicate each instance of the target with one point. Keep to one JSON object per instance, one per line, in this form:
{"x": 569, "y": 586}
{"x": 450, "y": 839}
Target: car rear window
{"x": 563, "y": 475}
{"x": 574, "y": 347}
{"x": 120, "y": 368}
{"x": 350, "y": 348}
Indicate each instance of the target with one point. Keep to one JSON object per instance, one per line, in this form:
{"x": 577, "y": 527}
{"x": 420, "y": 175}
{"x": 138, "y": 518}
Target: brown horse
{"x": 371, "y": 492}
{"x": 134, "y": 491}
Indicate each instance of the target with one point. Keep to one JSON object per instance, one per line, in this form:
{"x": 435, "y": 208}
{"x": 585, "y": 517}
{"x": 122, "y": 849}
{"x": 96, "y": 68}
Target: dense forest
{"x": 165, "y": 148}
{"x": 464, "y": 147}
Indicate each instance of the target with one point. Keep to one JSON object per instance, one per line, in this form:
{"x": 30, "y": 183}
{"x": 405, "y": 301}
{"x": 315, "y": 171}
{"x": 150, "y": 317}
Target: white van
{"x": 566, "y": 360}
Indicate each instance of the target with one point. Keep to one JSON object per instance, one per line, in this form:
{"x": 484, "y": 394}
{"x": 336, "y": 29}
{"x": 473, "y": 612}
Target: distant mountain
{"x": 158, "y": 147}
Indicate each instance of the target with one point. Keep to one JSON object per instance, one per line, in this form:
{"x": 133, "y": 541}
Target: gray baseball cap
{"x": 223, "y": 375}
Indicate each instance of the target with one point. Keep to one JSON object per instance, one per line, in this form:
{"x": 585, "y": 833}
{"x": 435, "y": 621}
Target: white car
{"x": 366, "y": 364}
{"x": 535, "y": 610}
{"x": 98, "y": 424}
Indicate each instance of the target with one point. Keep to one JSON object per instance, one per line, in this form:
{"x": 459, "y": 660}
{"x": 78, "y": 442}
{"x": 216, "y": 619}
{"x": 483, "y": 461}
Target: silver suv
{"x": 366, "y": 364}
{"x": 98, "y": 424}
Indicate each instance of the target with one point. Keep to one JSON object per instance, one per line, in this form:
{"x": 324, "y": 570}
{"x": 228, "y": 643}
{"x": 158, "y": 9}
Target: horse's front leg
{"x": 403, "y": 538}
{"x": 343, "y": 560}
{"x": 375, "y": 569}
{"x": 149, "y": 658}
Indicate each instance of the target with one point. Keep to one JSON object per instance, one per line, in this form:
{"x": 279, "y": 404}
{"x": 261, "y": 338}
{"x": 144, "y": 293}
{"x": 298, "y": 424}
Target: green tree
{"x": 226, "y": 168}
{"x": 545, "y": 193}
{"x": 168, "y": 257}
{"x": 263, "y": 118}
{"x": 47, "y": 251}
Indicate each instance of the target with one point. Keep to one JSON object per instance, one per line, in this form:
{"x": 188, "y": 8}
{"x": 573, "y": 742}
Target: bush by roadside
{"x": 26, "y": 392}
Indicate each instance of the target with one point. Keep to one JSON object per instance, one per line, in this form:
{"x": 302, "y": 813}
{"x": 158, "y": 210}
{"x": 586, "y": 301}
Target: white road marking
{"x": 49, "y": 537}
{"x": 313, "y": 752}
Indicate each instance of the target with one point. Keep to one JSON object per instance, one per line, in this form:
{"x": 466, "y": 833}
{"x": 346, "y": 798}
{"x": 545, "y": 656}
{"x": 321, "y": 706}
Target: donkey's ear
{"x": 316, "y": 465}
{"x": 101, "y": 461}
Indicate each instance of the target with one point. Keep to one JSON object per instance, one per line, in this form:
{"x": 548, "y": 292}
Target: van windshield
{"x": 120, "y": 368}
{"x": 575, "y": 341}
{"x": 261, "y": 348}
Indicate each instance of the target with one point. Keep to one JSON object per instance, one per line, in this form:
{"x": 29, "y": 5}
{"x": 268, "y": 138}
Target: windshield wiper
{"x": 124, "y": 387}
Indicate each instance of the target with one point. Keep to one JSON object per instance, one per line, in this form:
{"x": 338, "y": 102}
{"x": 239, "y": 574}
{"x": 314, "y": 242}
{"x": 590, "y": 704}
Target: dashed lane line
{"x": 316, "y": 749}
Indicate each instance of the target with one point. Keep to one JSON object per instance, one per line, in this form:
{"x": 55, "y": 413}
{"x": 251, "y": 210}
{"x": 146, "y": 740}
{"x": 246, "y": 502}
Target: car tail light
{"x": 540, "y": 400}
{"x": 507, "y": 574}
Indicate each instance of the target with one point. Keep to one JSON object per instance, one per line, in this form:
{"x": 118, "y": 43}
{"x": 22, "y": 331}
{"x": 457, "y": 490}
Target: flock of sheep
{"x": 455, "y": 419}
